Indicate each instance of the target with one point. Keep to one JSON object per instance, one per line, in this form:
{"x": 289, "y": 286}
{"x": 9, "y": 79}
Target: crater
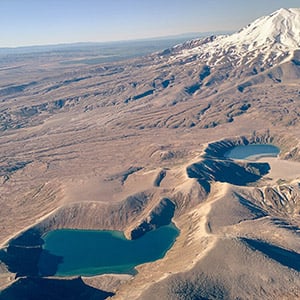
{"x": 70, "y": 252}
{"x": 229, "y": 161}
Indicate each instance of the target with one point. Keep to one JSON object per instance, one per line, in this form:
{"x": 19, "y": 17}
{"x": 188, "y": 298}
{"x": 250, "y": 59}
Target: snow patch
{"x": 268, "y": 40}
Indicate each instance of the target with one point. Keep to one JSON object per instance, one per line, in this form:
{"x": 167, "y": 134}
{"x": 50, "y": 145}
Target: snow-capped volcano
{"x": 265, "y": 42}
{"x": 281, "y": 30}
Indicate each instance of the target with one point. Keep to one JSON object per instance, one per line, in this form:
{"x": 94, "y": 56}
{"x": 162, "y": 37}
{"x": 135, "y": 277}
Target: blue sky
{"x": 38, "y": 22}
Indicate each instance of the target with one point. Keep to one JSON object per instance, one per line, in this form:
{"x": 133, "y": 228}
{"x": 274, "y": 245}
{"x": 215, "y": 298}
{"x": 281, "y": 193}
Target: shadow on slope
{"x": 285, "y": 257}
{"x": 52, "y": 289}
{"x": 23, "y": 254}
{"x": 227, "y": 171}
{"x": 160, "y": 215}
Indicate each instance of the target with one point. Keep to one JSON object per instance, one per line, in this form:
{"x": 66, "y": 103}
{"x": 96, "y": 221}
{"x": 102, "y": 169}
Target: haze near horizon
{"x": 27, "y": 23}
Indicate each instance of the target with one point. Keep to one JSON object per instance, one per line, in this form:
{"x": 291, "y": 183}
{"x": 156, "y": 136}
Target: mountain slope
{"x": 268, "y": 40}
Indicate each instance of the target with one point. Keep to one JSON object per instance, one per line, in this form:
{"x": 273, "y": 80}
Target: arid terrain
{"x": 114, "y": 145}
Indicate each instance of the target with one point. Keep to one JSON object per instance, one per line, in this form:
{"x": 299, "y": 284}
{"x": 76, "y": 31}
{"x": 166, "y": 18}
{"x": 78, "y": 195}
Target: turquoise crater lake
{"x": 91, "y": 252}
{"x": 252, "y": 151}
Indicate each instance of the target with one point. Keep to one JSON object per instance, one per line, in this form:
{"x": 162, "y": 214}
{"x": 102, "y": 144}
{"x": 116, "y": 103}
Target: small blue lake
{"x": 252, "y": 151}
{"x": 90, "y": 252}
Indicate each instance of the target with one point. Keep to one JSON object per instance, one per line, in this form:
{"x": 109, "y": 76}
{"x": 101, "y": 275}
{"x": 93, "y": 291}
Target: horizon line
{"x": 174, "y": 36}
